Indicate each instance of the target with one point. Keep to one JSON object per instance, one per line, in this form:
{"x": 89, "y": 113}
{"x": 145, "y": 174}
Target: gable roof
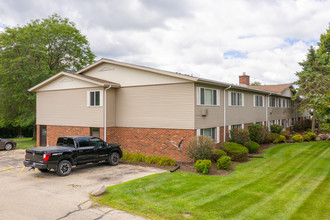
{"x": 134, "y": 66}
{"x": 273, "y": 88}
{"x": 93, "y": 80}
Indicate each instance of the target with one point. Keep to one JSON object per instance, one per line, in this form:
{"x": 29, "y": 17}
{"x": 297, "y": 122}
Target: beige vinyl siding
{"x": 111, "y": 107}
{"x": 276, "y": 113}
{"x": 214, "y": 118}
{"x": 161, "y": 106}
{"x": 68, "y": 108}
{"x": 130, "y": 77}
{"x": 247, "y": 113}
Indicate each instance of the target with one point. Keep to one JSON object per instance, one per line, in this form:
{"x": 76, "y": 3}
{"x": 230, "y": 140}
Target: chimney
{"x": 244, "y": 79}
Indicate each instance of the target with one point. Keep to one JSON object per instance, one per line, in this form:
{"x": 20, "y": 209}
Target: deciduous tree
{"x": 32, "y": 53}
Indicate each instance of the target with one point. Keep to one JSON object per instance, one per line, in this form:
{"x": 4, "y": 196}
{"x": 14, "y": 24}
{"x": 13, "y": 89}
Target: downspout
{"x": 105, "y": 114}
{"x": 267, "y": 104}
{"x": 224, "y": 113}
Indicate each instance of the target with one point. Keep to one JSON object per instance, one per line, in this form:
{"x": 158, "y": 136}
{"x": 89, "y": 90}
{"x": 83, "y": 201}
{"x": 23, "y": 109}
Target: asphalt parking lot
{"x": 30, "y": 194}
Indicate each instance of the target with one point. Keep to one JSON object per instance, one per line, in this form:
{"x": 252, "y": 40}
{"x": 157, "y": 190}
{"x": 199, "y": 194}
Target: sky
{"x": 212, "y": 39}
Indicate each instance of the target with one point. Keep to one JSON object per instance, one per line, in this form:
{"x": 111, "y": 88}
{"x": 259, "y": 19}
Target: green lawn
{"x": 291, "y": 182}
{"x": 23, "y": 143}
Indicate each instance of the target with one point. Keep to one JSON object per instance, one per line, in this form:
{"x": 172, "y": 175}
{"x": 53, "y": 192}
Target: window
{"x": 284, "y": 103}
{"x": 66, "y": 142}
{"x": 207, "y": 96}
{"x": 238, "y": 126}
{"x": 96, "y": 142}
{"x": 95, "y": 132}
{"x": 94, "y": 98}
{"x": 279, "y": 103}
{"x": 236, "y": 99}
{"x": 272, "y": 122}
{"x": 258, "y": 101}
{"x": 272, "y": 102}
{"x": 260, "y": 123}
{"x": 211, "y": 132}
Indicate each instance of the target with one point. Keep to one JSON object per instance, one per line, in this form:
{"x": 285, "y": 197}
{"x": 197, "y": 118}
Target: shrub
{"x": 273, "y": 136}
{"x": 200, "y": 147}
{"x": 279, "y": 139}
{"x": 138, "y": 157}
{"x": 240, "y": 136}
{"x": 236, "y": 151}
{"x": 276, "y": 128}
{"x": 286, "y": 134}
{"x": 224, "y": 163}
{"x": 252, "y": 146}
{"x": 165, "y": 161}
{"x": 258, "y": 133}
{"x": 134, "y": 157}
{"x": 216, "y": 154}
{"x": 309, "y": 136}
{"x": 203, "y": 166}
{"x": 297, "y": 138}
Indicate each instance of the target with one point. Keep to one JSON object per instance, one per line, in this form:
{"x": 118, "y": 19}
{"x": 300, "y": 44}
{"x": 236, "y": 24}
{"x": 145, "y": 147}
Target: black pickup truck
{"x": 72, "y": 151}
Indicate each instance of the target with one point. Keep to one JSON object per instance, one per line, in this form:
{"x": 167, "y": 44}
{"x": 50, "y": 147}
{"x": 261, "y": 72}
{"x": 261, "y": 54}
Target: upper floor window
{"x": 284, "y": 103}
{"x": 206, "y": 96}
{"x": 258, "y": 101}
{"x": 279, "y": 103}
{"x": 94, "y": 98}
{"x": 236, "y": 99}
{"x": 272, "y": 102}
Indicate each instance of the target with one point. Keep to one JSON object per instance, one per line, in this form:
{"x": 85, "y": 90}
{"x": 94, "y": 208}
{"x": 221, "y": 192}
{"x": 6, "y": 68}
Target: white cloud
{"x": 192, "y": 36}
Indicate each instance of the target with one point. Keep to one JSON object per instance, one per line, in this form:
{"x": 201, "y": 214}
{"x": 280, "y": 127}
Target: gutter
{"x": 224, "y": 113}
{"x": 105, "y": 114}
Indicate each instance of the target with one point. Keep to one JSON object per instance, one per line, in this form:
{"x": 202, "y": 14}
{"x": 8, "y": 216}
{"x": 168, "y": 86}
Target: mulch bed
{"x": 189, "y": 167}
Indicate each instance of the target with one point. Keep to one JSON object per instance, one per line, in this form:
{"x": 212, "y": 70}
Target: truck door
{"x": 85, "y": 152}
{"x": 100, "y": 148}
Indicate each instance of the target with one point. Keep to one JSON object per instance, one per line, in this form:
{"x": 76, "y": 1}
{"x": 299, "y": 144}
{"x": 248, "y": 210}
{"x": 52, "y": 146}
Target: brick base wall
{"x": 150, "y": 141}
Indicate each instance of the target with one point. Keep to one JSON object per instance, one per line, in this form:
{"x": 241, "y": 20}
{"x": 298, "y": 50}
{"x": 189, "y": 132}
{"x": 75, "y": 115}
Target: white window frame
{"x": 269, "y": 98}
{"x": 236, "y": 103}
{"x": 284, "y": 103}
{"x": 256, "y": 98}
{"x": 214, "y": 91}
{"x": 89, "y": 95}
{"x": 214, "y": 132}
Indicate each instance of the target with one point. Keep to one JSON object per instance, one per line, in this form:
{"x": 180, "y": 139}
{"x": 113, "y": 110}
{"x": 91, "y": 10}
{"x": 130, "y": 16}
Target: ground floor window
{"x": 260, "y": 123}
{"x": 95, "y": 132}
{"x": 272, "y": 122}
{"x": 238, "y": 126}
{"x": 211, "y": 132}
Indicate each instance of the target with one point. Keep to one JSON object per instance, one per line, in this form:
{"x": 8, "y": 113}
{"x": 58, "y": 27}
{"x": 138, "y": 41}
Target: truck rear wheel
{"x": 114, "y": 159}
{"x": 64, "y": 168}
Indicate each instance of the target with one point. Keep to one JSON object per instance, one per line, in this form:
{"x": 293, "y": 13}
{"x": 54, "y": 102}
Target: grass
{"x": 291, "y": 182}
{"x": 23, "y": 143}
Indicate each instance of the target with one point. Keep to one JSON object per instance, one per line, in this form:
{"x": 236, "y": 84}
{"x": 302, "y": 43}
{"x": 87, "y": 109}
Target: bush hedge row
{"x": 237, "y": 152}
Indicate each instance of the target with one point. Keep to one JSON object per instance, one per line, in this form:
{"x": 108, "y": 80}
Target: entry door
{"x": 43, "y": 135}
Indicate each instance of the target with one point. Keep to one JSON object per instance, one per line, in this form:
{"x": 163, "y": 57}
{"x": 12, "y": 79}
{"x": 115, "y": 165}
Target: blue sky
{"x": 214, "y": 39}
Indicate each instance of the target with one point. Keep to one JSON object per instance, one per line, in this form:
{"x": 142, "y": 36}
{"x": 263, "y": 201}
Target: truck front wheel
{"x": 64, "y": 168}
{"x": 114, "y": 159}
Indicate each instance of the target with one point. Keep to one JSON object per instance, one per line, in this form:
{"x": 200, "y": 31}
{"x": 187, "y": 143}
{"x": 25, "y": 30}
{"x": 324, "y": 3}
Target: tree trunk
{"x": 34, "y": 132}
{"x": 313, "y": 124}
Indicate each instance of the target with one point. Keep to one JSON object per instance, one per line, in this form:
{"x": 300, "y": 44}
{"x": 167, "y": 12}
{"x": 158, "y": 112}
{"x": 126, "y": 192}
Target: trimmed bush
{"x": 286, "y": 134}
{"x": 297, "y": 138}
{"x": 236, "y": 151}
{"x": 224, "y": 163}
{"x": 200, "y": 147}
{"x": 203, "y": 166}
{"x": 240, "y": 136}
{"x": 252, "y": 146}
{"x": 276, "y": 129}
{"x": 279, "y": 139}
{"x": 309, "y": 136}
{"x": 216, "y": 154}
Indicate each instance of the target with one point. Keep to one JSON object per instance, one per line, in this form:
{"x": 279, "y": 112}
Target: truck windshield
{"x": 65, "y": 142}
